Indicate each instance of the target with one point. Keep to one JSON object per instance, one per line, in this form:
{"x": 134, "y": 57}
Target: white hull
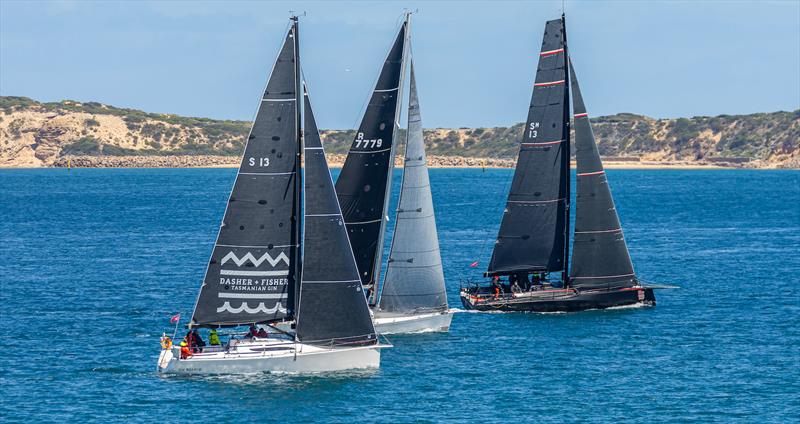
{"x": 420, "y": 323}
{"x": 271, "y": 355}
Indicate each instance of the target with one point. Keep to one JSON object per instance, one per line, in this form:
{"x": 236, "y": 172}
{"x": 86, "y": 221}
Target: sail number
{"x": 532, "y": 130}
{"x": 259, "y": 161}
{"x": 367, "y": 144}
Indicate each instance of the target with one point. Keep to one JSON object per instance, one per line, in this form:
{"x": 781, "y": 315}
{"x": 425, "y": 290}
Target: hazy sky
{"x": 475, "y": 61}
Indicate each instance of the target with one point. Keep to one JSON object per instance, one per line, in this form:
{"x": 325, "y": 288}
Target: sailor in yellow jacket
{"x": 213, "y": 338}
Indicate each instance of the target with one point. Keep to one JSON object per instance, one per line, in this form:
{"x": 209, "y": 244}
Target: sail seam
{"x": 371, "y": 151}
{"x": 414, "y": 266}
{"x": 278, "y": 100}
{"x": 254, "y": 273}
{"x": 322, "y": 214}
{"x": 598, "y": 231}
{"x": 543, "y": 143}
{"x": 364, "y": 222}
{"x": 256, "y": 247}
{"x": 409, "y": 295}
{"x": 413, "y": 217}
{"x": 603, "y": 276}
{"x": 547, "y": 84}
{"x": 386, "y": 90}
{"x": 586, "y": 174}
{"x": 266, "y": 173}
{"x": 551, "y": 52}
{"x": 535, "y": 201}
{"x": 331, "y": 281}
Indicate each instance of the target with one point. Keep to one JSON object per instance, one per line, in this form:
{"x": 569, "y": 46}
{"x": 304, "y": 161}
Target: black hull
{"x": 562, "y": 301}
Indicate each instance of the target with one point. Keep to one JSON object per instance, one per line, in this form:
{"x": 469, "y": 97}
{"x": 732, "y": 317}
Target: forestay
{"x": 600, "y": 257}
{"x": 251, "y": 273}
{"x": 414, "y": 278}
{"x": 333, "y": 308}
{"x": 533, "y": 232}
{"x": 364, "y": 182}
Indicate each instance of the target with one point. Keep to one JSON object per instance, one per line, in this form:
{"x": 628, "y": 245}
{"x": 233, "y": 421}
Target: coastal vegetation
{"x": 36, "y": 133}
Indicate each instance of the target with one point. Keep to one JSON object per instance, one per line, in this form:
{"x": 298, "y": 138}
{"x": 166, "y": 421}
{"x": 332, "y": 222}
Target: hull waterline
{"x": 419, "y": 323}
{"x": 560, "y": 300}
{"x": 272, "y": 356}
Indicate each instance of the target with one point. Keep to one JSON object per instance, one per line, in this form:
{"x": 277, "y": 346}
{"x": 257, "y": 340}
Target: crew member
{"x": 253, "y": 332}
{"x": 213, "y": 338}
{"x": 262, "y": 333}
{"x": 185, "y": 351}
{"x": 198, "y": 341}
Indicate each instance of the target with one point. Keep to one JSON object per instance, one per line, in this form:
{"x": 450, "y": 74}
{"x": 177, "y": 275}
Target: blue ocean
{"x": 94, "y": 262}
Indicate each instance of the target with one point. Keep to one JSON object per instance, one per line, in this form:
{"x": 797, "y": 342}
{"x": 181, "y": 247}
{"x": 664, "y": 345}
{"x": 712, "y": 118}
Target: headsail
{"x": 414, "y": 278}
{"x": 533, "y": 232}
{"x": 333, "y": 308}
{"x": 252, "y": 270}
{"x": 364, "y": 183}
{"x": 599, "y": 253}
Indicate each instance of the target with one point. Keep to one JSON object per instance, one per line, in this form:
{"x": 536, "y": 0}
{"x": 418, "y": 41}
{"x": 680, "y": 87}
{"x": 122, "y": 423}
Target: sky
{"x": 474, "y": 60}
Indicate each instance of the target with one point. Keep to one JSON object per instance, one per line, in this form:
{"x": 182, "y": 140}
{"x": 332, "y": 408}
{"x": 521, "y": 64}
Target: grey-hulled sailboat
{"x": 256, "y": 277}
{"x": 532, "y": 248}
{"x": 413, "y": 296}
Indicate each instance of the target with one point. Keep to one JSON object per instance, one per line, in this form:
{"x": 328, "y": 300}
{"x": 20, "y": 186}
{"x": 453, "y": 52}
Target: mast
{"x": 388, "y": 197}
{"x": 298, "y": 165}
{"x": 363, "y": 184}
{"x": 414, "y": 277}
{"x": 252, "y": 272}
{"x": 532, "y": 233}
{"x": 566, "y": 158}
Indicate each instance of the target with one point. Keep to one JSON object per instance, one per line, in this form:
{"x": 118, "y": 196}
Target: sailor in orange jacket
{"x": 185, "y": 351}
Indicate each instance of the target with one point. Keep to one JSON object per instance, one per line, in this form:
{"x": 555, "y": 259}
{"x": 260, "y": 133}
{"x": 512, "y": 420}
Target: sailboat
{"x": 282, "y": 252}
{"x": 529, "y": 268}
{"x": 412, "y": 297}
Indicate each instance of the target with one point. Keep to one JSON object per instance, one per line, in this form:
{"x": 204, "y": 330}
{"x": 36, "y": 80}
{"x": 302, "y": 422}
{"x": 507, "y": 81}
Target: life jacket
{"x": 213, "y": 339}
{"x": 166, "y": 343}
{"x": 185, "y": 352}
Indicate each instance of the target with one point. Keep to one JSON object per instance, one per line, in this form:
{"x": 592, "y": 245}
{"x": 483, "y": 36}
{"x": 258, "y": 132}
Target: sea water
{"x": 94, "y": 262}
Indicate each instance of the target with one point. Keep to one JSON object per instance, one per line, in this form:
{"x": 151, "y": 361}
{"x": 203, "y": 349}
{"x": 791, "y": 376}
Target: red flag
{"x": 474, "y": 264}
{"x": 175, "y": 318}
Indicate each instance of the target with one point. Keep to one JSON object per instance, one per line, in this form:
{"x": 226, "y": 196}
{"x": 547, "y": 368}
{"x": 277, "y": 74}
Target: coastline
{"x": 337, "y": 160}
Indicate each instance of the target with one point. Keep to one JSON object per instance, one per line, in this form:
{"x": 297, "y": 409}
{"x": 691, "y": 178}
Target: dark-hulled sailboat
{"x": 256, "y": 276}
{"x": 532, "y": 248}
{"x": 412, "y": 297}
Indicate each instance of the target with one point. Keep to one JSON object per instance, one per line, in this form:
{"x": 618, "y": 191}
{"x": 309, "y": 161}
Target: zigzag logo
{"x": 257, "y": 262}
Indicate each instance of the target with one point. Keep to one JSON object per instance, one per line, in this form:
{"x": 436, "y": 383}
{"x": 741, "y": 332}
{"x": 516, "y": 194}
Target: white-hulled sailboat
{"x": 256, "y": 276}
{"x": 412, "y": 297}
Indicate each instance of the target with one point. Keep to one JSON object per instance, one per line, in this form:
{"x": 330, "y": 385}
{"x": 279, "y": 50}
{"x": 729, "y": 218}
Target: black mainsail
{"x": 255, "y": 261}
{"x": 333, "y": 308}
{"x": 364, "y": 184}
{"x": 534, "y": 231}
{"x": 600, "y": 257}
{"x": 414, "y": 276}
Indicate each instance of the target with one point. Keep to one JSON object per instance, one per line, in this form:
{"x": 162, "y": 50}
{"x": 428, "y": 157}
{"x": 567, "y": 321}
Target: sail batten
{"x": 414, "y": 276}
{"x": 600, "y": 257}
{"x": 251, "y": 274}
{"x": 533, "y": 235}
{"x": 364, "y": 183}
{"x": 333, "y": 307}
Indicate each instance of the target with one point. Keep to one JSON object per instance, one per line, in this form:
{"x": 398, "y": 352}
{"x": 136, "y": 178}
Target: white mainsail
{"x": 414, "y": 279}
